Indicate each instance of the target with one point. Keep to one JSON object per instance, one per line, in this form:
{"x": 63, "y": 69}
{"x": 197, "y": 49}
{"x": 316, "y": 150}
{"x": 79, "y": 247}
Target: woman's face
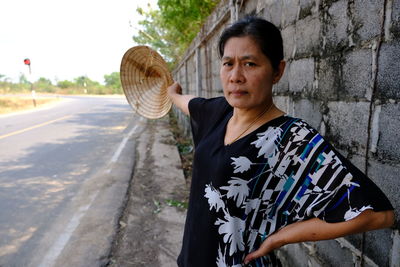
{"x": 246, "y": 74}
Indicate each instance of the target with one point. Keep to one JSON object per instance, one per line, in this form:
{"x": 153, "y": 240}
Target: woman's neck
{"x": 243, "y": 122}
{"x": 247, "y": 116}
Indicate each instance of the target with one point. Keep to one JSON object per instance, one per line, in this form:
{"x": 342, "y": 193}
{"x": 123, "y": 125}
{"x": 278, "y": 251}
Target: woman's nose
{"x": 237, "y": 75}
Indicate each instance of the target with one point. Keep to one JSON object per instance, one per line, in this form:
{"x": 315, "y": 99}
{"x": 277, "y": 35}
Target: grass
{"x": 185, "y": 147}
{"x": 177, "y": 203}
{"x": 10, "y": 104}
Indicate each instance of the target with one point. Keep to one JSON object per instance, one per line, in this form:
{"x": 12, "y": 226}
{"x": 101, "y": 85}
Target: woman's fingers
{"x": 269, "y": 244}
{"x": 252, "y": 256}
{"x": 175, "y": 88}
{"x": 264, "y": 249}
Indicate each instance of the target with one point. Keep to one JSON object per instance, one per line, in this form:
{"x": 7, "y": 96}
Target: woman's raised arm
{"x": 316, "y": 229}
{"x": 179, "y": 100}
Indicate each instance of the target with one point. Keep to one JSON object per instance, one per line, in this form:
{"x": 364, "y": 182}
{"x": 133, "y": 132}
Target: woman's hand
{"x": 174, "y": 89}
{"x": 181, "y": 101}
{"x": 271, "y": 243}
{"x": 315, "y": 229}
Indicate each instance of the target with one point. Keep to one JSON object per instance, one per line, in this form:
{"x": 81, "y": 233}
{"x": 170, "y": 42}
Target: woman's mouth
{"x": 238, "y": 93}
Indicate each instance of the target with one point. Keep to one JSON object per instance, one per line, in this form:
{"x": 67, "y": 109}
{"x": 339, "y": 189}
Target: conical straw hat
{"x": 145, "y": 78}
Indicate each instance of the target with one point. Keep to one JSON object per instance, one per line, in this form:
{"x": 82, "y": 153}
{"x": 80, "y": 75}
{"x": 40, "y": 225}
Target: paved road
{"x": 64, "y": 172}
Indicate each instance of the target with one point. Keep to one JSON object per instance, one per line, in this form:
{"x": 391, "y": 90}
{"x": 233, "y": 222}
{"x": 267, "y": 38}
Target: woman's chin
{"x": 240, "y": 104}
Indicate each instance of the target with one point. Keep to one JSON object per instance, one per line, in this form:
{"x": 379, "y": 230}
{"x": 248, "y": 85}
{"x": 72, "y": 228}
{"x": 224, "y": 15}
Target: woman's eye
{"x": 250, "y": 64}
{"x": 226, "y": 64}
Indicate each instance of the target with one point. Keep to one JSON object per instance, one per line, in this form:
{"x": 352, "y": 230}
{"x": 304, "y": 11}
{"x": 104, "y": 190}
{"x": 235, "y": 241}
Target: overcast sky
{"x": 65, "y": 39}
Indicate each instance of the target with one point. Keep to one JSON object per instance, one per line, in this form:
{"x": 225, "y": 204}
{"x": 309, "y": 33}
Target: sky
{"x": 65, "y": 39}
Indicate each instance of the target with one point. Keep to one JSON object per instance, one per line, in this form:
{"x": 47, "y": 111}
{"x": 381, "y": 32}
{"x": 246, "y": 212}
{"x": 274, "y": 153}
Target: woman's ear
{"x": 279, "y": 72}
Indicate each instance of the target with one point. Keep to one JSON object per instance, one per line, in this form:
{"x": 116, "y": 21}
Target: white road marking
{"x": 122, "y": 144}
{"x": 55, "y": 250}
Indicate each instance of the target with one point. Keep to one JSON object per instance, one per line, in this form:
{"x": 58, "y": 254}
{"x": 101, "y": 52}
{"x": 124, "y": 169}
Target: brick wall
{"x": 342, "y": 76}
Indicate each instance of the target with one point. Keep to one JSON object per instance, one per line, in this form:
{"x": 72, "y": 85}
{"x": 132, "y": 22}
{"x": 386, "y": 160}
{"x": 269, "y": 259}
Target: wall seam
{"x": 371, "y": 108}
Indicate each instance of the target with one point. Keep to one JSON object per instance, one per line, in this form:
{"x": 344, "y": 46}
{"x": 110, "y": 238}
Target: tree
{"x": 172, "y": 27}
{"x": 85, "y": 81}
{"x": 81, "y": 81}
{"x": 44, "y": 85}
{"x": 113, "y": 80}
{"x": 44, "y": 81}
{"x": 65, "y": 84}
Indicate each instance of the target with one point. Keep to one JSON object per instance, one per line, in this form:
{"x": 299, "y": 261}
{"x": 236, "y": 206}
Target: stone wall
{"x": 342, "y": 76}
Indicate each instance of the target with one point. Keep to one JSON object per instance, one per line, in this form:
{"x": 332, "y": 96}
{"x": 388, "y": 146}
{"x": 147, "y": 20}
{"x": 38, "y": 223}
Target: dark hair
{"x": 266, "y": 34}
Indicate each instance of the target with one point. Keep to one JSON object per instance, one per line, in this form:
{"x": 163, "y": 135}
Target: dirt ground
{"x": 151, "y": 226}
{"x": 10, "y": 104}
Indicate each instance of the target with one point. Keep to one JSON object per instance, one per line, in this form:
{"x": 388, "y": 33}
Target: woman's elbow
{"x": 389, "y": 219}
{"x": 382, "y": 219}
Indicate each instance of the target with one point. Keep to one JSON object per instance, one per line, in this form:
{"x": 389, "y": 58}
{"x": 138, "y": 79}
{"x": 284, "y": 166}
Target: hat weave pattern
{"x": 145, "y": 78}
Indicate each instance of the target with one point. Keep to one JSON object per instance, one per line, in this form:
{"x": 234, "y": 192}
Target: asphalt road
{"x": 64, "y": 172}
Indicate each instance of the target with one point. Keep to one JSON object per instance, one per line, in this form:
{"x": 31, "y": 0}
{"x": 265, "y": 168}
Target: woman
{"x": 262, "y": 179}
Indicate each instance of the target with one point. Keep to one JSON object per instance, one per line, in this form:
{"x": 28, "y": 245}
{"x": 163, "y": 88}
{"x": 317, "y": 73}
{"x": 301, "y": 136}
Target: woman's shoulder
{"x": 208, "y": 108}
{"x": 215, "y": 102}
{"x": 291, "y": 130}
{"x": 291, "y": 122}
{"x": 207, "y": 114}
{"x": 287, "y": 122}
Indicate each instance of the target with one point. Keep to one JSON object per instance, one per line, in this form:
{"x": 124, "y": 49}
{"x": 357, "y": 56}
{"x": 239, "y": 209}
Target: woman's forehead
{"x": 243, "y": 57}
{"x": 245, "y": 46}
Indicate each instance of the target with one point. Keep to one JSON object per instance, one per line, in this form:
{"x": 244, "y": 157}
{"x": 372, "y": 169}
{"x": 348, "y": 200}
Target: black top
{"x": 281, "y": 173}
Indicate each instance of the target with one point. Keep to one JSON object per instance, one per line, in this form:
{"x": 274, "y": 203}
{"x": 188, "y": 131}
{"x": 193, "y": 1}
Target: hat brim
{"x": 145, "y": 78}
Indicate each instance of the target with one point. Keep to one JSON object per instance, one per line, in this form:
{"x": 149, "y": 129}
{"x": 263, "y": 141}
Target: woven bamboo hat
{"x": 145, "y": 78}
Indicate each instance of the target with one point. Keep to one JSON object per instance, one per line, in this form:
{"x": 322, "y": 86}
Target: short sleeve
{"x": 355, "y": 193}
{"x": 205, "y": 114}
{"x": 322, "y": 183}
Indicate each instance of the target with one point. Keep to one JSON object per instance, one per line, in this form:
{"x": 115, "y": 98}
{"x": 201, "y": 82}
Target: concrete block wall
{"x": 343, "y": 77}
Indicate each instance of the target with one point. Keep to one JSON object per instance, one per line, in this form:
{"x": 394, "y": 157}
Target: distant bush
{"x": 80, "y": 85}
{"x": 65, "y": 84}
{"x": 8, "y": 88}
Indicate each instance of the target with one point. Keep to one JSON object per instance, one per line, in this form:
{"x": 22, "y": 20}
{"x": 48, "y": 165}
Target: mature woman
{"x": 263, "y": 179}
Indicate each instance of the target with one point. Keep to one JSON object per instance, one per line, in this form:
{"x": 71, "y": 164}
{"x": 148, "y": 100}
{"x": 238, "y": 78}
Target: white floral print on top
{"x": 279, "y": 174}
